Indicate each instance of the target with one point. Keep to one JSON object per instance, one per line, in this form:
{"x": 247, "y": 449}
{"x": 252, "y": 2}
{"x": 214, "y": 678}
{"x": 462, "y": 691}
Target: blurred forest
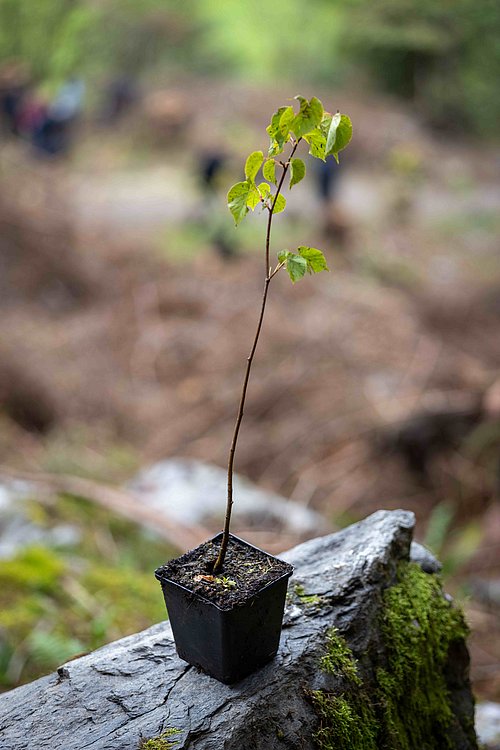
{"x": 127, "y": 295}
{"x": 442, "y": 56}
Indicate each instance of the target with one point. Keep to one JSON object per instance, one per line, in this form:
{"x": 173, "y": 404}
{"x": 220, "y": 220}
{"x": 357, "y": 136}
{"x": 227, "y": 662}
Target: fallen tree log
{"x": 372, "y": 655}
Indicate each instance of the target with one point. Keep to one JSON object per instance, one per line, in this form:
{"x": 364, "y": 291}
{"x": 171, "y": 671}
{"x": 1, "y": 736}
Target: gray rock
{"x": 421, "y": 555}
{"x": 194, "y": 493}
{"x": 18, "y": 530}
{"x": 137, "y": 687}
{"x": 488, "y": 725}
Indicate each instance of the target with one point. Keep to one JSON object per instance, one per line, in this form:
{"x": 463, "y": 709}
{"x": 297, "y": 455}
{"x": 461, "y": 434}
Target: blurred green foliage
{"x": 444, "y": 56}
{"x": 453, "y": 544}
{"x": 51, "y": 37}
{"x": 276, "y": 40}
{"x": 56, "y": 603}
{"x": 57, "y": 39}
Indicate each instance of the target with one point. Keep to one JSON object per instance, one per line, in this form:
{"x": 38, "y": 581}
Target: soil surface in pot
{"x": 246, "y": 571}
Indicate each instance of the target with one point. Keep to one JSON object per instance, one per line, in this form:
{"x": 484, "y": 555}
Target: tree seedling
{"x": 326, "y": 134}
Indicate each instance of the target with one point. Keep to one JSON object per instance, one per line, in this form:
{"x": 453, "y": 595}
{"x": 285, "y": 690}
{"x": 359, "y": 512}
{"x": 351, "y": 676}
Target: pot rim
{"x": 217, "y": 537}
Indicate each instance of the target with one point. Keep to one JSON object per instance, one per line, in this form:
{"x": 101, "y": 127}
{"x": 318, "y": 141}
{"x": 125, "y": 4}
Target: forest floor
{"x": 126, "y": 325}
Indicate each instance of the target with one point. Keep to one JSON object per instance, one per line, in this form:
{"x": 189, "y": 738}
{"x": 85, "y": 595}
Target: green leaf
{"x": 286, "y": 119}
{"x": 332, "y": 133}
{"x": 264, "y": 189}
{"x": 308, "y": 118}
{"x": 273, "y": 127}
{"x": 296, "y": 267}
{"x": 253, "y": 198}
{"x": 314, "y": 258}
{"x": 307, "y": 259}
{"x": 253, "y": 164}
{"x": 297, "y": 171}
{"x": 275, "y": 148}
{"x": 317, "y": 143}
{"x": 280, "y": 204}
{"x": 279, "y": 129}
{"x": 237, "y": 200}
{"x": 343, "y": 135}
{"x": 269, "y": 171}
{"x": 325, "y": 123}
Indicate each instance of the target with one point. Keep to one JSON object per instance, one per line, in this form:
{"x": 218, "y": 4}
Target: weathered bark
{"x": 138, "y": 687}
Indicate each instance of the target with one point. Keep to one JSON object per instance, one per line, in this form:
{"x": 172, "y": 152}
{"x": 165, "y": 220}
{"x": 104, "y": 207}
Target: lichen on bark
{"x": 411, "y": 706}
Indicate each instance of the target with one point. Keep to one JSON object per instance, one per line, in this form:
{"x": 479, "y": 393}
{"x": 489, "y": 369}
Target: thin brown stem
{"x": 225, "y": 537}
{"x": 269, "y": 275}
{"x": 271, "y": 208}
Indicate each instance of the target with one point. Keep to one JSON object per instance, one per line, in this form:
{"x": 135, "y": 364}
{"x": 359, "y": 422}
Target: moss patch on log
{"x": 339, "y": 658}
{"x": 410, "y": 707}
{"x": 347, "y": 721}
{"x": 302, "y": 597}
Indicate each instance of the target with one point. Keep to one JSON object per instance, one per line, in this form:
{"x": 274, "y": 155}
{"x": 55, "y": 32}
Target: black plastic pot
{"x": 227, "y": 644}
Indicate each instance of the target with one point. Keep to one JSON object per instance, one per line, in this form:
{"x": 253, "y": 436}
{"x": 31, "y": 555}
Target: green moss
{"x": 127, "y": 595}
{"x": 163, "y": 742}
{"x": 339, "y": 659}
{"x": 346, "y": 721}
{"x": 410, "y": 708}
{"x": 35, "y": 569}
{"x": 419, "y": 626}
{"x": 58, "y": 602}
{"x": 302, "y": 597}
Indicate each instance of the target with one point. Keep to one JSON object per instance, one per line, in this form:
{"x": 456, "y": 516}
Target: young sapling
{"x": 326, "y": 134}
{"x": 226, "y": 611}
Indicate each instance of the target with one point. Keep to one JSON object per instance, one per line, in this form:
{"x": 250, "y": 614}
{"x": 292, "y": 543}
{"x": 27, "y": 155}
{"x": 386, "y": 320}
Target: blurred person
{"x": 31, "y": 114}
{"x": 68, "y": 103}
{"x": 13, "y": 84}
{"x": 210, "y": 165}
{"x": 53, "y": 134}
{"x": 327, "y": 180}
{"x": 119, "y": 96}
{"x": 405, "y": 161}
{"x": 168, "y": 115}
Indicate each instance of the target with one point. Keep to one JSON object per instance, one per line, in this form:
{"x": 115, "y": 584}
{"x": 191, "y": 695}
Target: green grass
{"x": 59, "y": 602}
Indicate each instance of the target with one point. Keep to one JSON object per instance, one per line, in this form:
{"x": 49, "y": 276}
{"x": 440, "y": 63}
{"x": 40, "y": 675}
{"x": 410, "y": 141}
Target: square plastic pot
{"x": 227, "y": 644}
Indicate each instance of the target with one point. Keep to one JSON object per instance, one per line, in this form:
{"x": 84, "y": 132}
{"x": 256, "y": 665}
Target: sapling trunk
{"x": 326, "y": 134}
{"x": 269, "y": 275}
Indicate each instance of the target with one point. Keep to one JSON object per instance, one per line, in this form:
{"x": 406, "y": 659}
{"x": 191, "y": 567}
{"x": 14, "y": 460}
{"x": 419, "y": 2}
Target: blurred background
{"x": 128, "y": 300}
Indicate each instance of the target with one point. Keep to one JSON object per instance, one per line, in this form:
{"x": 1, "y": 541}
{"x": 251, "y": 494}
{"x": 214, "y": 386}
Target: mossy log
{"x": 372, "y": 656}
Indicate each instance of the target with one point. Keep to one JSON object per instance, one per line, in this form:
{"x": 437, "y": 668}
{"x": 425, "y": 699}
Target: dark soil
{"x": 246, "y": 571}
